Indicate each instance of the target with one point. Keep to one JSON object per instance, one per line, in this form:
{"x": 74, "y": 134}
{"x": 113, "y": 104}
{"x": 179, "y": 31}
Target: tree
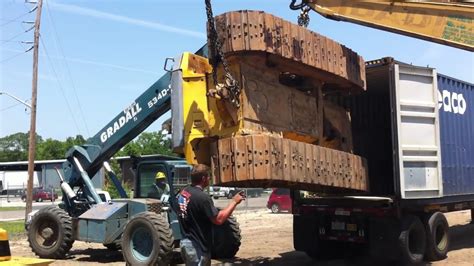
{"x": 50, "y": 149}
{"x": 147, "y": 143}
{"x": 15, "y": 147}
{"x": 71, "y": 141}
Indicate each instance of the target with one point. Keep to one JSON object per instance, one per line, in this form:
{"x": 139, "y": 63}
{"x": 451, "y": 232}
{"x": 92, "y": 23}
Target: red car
{"x": 279, "y": 200}
{"x": 40, "y": 195}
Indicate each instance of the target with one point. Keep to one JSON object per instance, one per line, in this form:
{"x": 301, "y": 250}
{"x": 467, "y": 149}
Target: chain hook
{"x": 303, "y": 18}
{"x": 230, "y": 89}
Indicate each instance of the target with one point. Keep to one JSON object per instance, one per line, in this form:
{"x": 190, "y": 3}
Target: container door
{"x": 417, "y": 142}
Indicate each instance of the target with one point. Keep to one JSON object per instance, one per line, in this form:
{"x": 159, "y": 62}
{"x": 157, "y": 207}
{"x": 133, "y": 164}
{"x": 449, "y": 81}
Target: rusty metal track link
{"x": 246, "y": 31}
{"x": 266, "y": 161}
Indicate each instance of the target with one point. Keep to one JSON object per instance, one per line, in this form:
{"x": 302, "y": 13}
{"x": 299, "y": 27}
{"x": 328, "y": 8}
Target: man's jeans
{"x": 192, "y": 254}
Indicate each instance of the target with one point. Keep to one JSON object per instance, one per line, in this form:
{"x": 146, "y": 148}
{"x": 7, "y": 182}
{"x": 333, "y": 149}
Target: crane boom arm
{"x": 450, "y": 24}
{"x": 127, "y": 125}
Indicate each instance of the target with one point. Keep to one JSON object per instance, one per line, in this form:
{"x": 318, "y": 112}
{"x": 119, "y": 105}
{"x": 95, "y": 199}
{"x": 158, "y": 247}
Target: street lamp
{"x": 16, "y": 98}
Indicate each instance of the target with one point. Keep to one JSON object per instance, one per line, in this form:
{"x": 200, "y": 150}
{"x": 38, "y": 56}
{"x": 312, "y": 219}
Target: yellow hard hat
{"x": 160, "y": 175}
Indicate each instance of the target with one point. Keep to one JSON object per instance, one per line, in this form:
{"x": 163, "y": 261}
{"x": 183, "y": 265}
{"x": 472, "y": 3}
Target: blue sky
{"x": 96, "y": 57}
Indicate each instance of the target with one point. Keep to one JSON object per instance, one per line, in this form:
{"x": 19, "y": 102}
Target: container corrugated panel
{"x": 456, "y": 112}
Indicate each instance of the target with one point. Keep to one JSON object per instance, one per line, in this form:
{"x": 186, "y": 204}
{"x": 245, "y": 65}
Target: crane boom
{"x": 450, "y": 23}
{"x": 127, "y": 125}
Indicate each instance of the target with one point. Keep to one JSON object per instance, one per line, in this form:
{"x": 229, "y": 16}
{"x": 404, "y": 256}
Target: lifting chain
{"x": 230, "y": 90}
{"x": 303, "y": 18}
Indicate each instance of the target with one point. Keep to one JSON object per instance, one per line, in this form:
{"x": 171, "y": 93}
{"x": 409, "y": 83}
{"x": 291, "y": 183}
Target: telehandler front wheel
{"x": 50, "y": 233}
{"x": 147, "y": 240}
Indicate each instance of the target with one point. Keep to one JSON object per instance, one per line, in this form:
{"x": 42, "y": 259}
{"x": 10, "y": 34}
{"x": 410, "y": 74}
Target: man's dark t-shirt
{"x": 196, "y": 210}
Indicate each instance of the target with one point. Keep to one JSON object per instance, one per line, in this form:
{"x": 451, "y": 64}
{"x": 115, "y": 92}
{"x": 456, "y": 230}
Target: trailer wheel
{"x": 412, "y": 240}
{"x": 225, "y": 239}
{"x": 437, "y": 236}
{"x": 50, "y": 233}
{"x": 147, "y": 240}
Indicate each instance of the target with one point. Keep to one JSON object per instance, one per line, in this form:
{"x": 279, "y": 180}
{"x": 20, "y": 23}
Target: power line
{"x": 58, "y": 43}
{"x": 14, "y": 19}
{"x": 11, "y": 57}
{"x": 59, "y": 84}
{"x": 8, "y": 40}
{"x": 9, "y": 107}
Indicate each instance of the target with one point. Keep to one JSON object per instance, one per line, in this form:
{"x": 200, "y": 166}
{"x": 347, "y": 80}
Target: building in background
{"x": 14, "y": 176}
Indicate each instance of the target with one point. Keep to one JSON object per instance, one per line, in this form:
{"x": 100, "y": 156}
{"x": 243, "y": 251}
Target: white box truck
{"x": 15, "y": 182}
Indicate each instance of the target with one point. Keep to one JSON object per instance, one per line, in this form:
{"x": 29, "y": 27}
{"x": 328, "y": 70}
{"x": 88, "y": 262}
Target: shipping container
{"x": 456, "y": 112}
{"x": 415, "y": 127}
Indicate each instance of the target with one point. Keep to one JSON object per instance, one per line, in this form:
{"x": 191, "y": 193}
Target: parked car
{"x": 219, "y": 192}
{"x": 40, "y": 195}
{"x": 279, "y": 200}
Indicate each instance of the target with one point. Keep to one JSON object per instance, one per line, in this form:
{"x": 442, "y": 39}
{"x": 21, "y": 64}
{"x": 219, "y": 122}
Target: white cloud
{"x": 123, "y": 19}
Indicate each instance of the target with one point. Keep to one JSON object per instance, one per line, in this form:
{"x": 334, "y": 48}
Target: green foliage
{"x": 71, "y": 141}
{"x": 147, "y": 143}
{"x": 12, "y": 208}
{"x": 15, "y": 147}
{"x": 13, "y": 227}
{"x": 109, "y": 185}
{"x": 50, "y": 149}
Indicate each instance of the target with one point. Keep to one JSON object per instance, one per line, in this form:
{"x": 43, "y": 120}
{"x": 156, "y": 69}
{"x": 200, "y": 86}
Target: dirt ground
{"x": 267, "y": 240}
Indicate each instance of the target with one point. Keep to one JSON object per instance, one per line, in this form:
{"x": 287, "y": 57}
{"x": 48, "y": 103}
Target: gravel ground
{"x": 267, "y": 240}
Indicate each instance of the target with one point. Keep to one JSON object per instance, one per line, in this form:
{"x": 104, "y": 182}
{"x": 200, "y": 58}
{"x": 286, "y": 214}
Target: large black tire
{"x": 147, "y": 240}
{"x": 412, "y": 240}
{"x": 437, "y": 236}
{"x": 50, "y": 233}
{"x": 225, "y": 239}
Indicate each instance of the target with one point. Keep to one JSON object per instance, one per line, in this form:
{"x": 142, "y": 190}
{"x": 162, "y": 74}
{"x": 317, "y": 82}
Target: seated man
{"x": 161, "y": 189}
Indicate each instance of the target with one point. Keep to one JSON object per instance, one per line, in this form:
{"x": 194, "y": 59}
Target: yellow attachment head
{"x": 160, "y": 175}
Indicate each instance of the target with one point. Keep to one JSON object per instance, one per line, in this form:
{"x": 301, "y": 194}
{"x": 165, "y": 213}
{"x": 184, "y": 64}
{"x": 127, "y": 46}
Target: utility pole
{"x": 32, "y": 146}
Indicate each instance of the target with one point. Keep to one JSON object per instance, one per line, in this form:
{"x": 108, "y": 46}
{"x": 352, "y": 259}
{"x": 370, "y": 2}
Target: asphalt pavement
{"x": 17, "y": 202}
{"x": 248, "y": 204}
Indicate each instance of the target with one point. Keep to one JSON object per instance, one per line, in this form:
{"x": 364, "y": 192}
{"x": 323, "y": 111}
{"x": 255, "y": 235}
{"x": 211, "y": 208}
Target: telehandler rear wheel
{"x": 147, "y": 240}
{"x": 225, "y": 239}
{"x": 50, "y": 233}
